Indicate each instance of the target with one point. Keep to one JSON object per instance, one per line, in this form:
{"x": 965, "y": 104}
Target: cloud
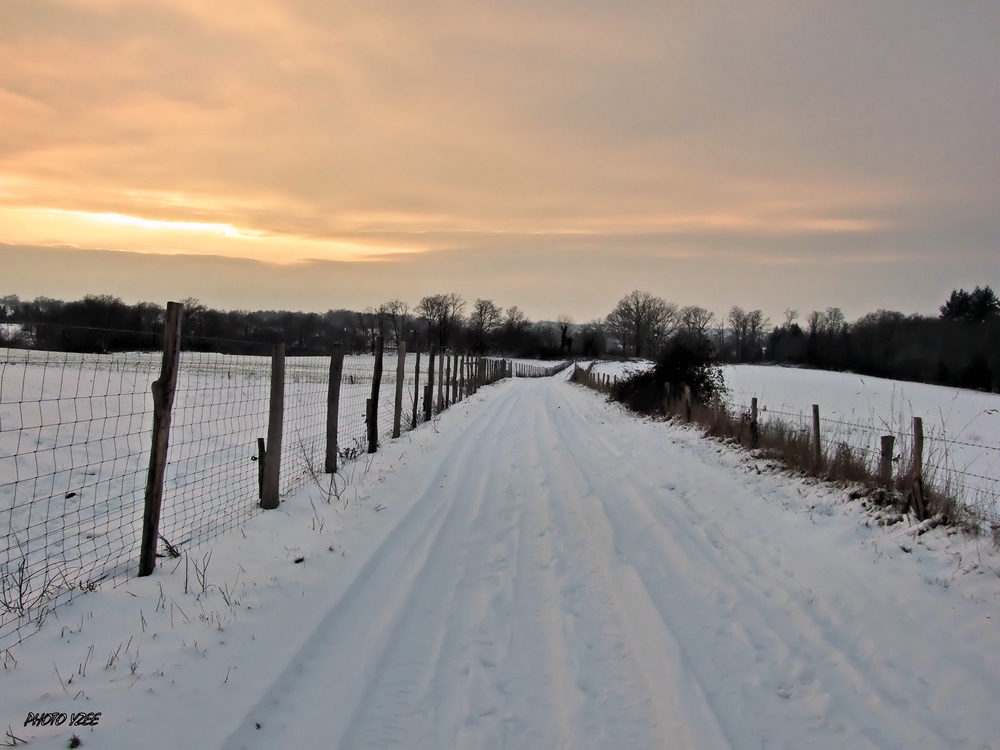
{"x": 337, "y": 130}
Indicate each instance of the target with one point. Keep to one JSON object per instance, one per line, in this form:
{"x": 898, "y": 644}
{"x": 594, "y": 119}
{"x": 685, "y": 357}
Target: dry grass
{"x": 845, "y": 464}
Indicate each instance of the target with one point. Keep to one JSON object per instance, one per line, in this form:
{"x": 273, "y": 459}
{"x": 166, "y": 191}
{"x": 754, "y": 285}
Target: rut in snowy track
{"x": 558, "y": 581}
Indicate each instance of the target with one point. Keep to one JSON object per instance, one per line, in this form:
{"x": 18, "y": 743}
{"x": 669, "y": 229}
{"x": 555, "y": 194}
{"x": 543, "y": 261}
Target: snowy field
{"x": 961, "y": 427}
{"x": 538, "y": 569}
{"x": 74, "y": 452}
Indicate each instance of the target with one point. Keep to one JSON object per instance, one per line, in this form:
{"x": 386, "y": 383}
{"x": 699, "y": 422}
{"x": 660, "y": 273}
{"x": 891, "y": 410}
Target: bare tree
{"x": 739, "y": 325}
{"x": 748, "y": 331}
{"x": 484, "y": 321}
{"x": 834, "y": 320}
{"x": 565, "y": 340}
{"x": 397, "y": 316}
{"x": 370, "y": 322}
{"x": 193, "y": 320}
{"x": 442, "y": 313}
{"x": 515, "y": 327}
{"x": 815, "y": 322}
{"x": 696, "y": 321}
{"x": 790, "y": 316}
{"x": 829, "y": 321}
{"x": 593, "y": 343}
{"x": 641, "y": 320}
{"x": 757, "y": 326}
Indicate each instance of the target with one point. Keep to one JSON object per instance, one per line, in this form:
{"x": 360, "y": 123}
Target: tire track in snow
{"x": 536, "y": 555}
{"x": 648, "y": 665}
{"x": 762, "y": 614}
{"x": 452, "y": 624}
{"x": 316, "y": 698}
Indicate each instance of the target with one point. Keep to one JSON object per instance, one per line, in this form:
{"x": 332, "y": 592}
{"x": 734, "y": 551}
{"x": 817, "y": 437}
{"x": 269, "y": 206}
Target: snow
{"x": 74, "y": 451}
{"x": 961, "y": 427}
{"x": 538, "y": 569}
{"x": 619, "y": 368}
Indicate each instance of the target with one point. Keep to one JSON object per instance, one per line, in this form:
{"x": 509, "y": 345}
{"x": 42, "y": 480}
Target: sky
{"x": 310, "y": 155}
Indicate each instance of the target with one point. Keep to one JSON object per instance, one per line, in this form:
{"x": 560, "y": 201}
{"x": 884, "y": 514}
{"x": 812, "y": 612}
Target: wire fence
{"x": 74, "y": 432}
{"x": 966, "y": 470}
{"x": 75, "y": 437}
{"x": 963, "y": 469}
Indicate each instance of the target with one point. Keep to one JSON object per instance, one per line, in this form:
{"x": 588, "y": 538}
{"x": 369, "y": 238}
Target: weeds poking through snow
{"x": 791, "y": 447}
{"x": 201, "y": 572}
{"x": 228, "y": 593}
{"x": 317, "y": 523}
{"x": 172, "y": 551}
{"x": 59, "y": 676}
{"x": 82, "y": 670}
{"x": 13, "y": 739}
{"x": 113, "y": 656}
{"x": 19, "y": 591}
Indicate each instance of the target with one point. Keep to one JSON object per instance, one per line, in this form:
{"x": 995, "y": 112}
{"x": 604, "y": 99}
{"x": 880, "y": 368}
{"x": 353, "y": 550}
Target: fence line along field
{"x": 961, "y": 426}
{"x": 75, "y": 433}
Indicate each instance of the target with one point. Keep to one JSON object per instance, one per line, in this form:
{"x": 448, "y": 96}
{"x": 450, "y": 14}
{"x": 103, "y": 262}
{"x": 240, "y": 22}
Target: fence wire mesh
{"x": 220, "y": 409}
{"x": 74, "y": 445}
{"x": 75, "y": 435}
{"x": 963, "y": 469}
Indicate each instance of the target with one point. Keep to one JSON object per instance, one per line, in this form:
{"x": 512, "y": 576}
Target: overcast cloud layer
{"x": 552, "y": 155}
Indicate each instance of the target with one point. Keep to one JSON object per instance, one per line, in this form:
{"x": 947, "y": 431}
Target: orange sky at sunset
{"x": 314, "y": 155}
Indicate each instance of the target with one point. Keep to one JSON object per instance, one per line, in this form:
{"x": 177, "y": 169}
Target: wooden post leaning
{"x": 163, "y": 400}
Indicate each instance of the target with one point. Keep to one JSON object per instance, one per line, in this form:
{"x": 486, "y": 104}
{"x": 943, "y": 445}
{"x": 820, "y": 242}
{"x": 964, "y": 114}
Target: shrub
{"x": 684, "y": 361}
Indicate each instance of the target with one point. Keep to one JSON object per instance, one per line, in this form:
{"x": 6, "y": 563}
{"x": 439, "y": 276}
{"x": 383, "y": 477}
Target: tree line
{"x": 105, "y": 323}
{"x": 959, "y": 347}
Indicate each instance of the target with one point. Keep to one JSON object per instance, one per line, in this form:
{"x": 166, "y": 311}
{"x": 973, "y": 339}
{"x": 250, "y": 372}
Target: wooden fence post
{"x": 753, "y": 422}
{"x": 817, "y": 457}
{"x": 687, "y": 402}
{"x": 261, "y": 456}
{"x": 397, "y": 414}
{"x": 429, "y": 389}
{"x": 275, "y": 417}
{"x": 917, "y": 467}
{"x": 333, "y": 407}
{"x": 447, "y": 382}
{"x": 163, "y": 401}
{"x": 440, "y": 384}
{"x": 885, "y": 468}
{"x": 376, "y": 385}
{"x": 416, "y": 391}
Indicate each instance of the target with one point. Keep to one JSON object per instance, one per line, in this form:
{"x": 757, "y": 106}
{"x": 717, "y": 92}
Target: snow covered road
{"x": 565, "y": 575}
